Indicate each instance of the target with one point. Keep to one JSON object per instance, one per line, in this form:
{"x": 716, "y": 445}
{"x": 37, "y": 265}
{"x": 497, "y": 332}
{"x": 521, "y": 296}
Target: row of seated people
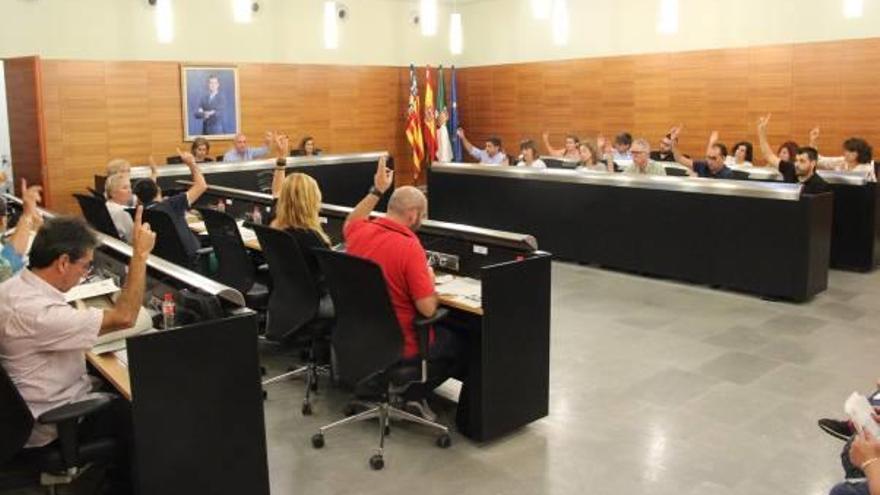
{"x": 43, "y": 340}
{"x": 795, "y": 164}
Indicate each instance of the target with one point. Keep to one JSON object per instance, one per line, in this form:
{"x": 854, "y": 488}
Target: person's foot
{"x": 836, "y": 428}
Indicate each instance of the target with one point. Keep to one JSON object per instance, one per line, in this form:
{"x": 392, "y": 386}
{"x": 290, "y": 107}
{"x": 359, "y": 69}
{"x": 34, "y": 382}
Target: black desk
{"x": 507, "y": 385}
{"x": 343, "y": 178}
{"x": 855, "y": 231}
{"x": 756, "y": 237}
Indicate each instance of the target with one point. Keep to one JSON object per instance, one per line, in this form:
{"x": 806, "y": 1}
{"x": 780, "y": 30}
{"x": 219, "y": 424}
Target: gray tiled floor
{"x": 656, "y": 388}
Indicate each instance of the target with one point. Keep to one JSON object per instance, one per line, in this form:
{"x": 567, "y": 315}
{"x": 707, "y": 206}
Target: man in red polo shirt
{"x": 391, "y": 243}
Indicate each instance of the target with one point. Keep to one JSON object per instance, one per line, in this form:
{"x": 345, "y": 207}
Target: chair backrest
{"x": 169, "y": 245}
{"x": 739, "y": 175}
{"x": 295, "y": 297}
{"x": 220, "y": 158}
{"x": 367, "y": 337}
{"x": 236, "y": 268}
{"x": 94, "y": 209}
{"x": 264, "y": 181}
{"x": 16, "y": 421}
{"x": 676, "y": 171}
{"x": 173, "y": 160}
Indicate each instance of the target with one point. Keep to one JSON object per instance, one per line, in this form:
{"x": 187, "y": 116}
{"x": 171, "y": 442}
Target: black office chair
{"x": 235, "y": 266}
{"x": 220, "y": 158}
{"x": 298, "y": 313}
{"x": 95, "y": 211}
{"x": 368, "y": 344}
{"x": 169, "y": 245}
{"x": 60, "y": 462}
{"x": 739, "y": 175}
{"x": 173, "y": 160}
{"x": 264, "y": 181}
{"x": 676, "y": 171}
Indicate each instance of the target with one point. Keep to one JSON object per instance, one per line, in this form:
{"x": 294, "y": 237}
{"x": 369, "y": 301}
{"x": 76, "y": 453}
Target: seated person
{"x": 391, "y": 243}
{"x": 712, "y": 167}
{"x": 240, "y": 151}
{"x": 43, "y": 339}
{"x": 802, "y": 170}
{"x": 664, "y": 154}
{"x": 742, "y": 155}
{"x": 857, "y": 157}
{"x": 12, "y": 252}
{"x": 529, "y": 155}
{"x": 588, "y": 153}
{"x": 306, "y": 148}
{"x": 570, "y": 151}
{"x": 201, "y": 148}
{"x": 297, "y": 210}
{"x": 444, "y": 144}
{"x": 859, "y": 457}
{"x": 492, "y": 155}
{"x": 118, "y": 166}
{"x": 117, "y": 188}
{"x": 622, "y": 144}
{"x": 176, "y": 206}
{"x": 642, "y": 164}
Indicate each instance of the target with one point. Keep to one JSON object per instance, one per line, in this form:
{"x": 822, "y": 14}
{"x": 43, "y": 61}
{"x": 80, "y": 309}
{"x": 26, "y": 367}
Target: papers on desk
{"x": 198, "y": 226}
{"x": 91, "y": 289}
{"x": 115, "y": 341}
{"x": 246, "y": 233}
{"x": 468, "y": 291}
{"x": 122, "y": 356}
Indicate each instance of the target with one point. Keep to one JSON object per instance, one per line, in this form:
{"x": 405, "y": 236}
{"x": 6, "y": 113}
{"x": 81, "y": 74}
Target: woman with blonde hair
{"x": 297, "y": 211}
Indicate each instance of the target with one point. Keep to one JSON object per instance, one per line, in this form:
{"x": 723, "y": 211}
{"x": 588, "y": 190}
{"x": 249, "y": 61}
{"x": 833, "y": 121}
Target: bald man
{"x": 391, "y": 243}
{"x": 240, "y": 151}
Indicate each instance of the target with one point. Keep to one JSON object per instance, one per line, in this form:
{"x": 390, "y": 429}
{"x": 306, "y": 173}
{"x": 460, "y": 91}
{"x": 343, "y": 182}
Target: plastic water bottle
{"x": 168, "y": 311}
{"x": 256, "y": 216}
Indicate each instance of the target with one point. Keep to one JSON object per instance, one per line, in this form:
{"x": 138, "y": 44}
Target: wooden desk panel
{"x": 113, "y": 370}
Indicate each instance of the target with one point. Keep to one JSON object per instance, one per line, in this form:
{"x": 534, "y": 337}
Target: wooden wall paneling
{"x": 727, "y": 83}
{"x": 586, "y": 93}
{"x": 654, "y": 99}
{"x": 770, "y": 81}
{"x": 858, "y": 102}
{"x": 816, "y": 94}
{"x": 617, "y": 96}
{"x": 26, "y": 125}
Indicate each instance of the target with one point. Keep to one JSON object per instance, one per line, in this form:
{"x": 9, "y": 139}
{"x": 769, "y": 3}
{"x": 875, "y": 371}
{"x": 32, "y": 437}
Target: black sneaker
{"x": 836, "y": 428}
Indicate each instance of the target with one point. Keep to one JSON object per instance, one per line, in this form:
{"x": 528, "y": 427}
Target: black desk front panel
{"x": 770, "y": 247}
{"x": 855, "y": 240}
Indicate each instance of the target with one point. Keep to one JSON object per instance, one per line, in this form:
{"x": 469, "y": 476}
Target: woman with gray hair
{"x": 119, "y": 198}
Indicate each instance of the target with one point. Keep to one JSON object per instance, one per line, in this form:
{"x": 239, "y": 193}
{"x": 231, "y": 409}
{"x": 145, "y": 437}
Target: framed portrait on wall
{"x": 210, "y": 102}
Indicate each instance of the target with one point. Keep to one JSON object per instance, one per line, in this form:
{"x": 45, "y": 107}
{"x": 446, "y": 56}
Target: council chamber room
{"x": 439, "y": 247}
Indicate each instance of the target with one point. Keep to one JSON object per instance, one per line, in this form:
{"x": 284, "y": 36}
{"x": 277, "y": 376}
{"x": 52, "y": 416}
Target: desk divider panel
{"x": 198, "y": 409}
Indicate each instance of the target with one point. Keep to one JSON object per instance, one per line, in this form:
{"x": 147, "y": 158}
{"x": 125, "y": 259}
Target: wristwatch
{"x": 376, "y": 192}
{"x": 281, "y": 162}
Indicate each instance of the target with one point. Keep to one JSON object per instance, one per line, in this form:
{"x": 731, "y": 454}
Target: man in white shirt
{"x": 43, "y": 340}
{"x": 444, "y": 145}
{"x": 241, "y": 152}
{"x": 119, "y": 198}
{"x": 622, "y": 144}
{"x": 492, "y": 155}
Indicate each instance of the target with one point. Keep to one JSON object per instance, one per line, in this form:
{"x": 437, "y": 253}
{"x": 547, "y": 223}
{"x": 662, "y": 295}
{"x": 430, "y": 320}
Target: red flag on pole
{"x": 413, "y": 123}
{"x": 429, "y": 132}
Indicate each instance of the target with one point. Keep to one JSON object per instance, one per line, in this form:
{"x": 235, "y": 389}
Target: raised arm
{"x": 125, "y": 312}
{"x": 467, "y": 144}
{"x": 814, "y": 137}
{"x": 381, "y": 182}
{"x": 30, "y": 219}
{"x": 771, "y": 157}
{"x": 604, "y": 149}
{"x": 550, "y": 149}
{"x": 282, "y": 142}
{"x": 713, "y": 139}
{"x": 199, "y": 186}
{"x": 154, "y": 172}
{"x": 673, "y": 141}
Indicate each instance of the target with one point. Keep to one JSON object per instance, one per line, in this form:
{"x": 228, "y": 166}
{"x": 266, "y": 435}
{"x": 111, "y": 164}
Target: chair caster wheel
{"x": 262, "y": 371}
{"x": 317, "y": 440}
{"x": 265, "y": 395}
{"x": 349, "y": 411}
{"x": 376, "y": 462}
{"x": 314, "y": 386}
{"x": 444, "y": 441}
{"x": 387, "y": 430}
{"x": 307, "y": 409}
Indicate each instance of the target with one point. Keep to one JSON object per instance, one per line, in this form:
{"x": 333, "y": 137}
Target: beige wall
{"x": 504, "y": 31}
{"x": 378, "y": 32}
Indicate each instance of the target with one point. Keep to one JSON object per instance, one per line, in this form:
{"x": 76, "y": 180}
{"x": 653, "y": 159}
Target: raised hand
{"x": 269, "y": 137}
{"x": 713, "y": 138}
{"x": 282, "y": 142}
{"x": 763, "y": 122}
{"x": 814, "y": 135}
{"x": 143, "y": 238}
{"x": 187, "y": 157}
{"x": 546, "y": 135}
{"x": 30, "y": 196}
{"x": 384, "y": 176}
{"x": 460, "y": 132}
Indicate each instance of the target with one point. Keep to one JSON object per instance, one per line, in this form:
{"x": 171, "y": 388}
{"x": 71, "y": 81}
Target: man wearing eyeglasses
{"x": 712, "y": 167}
{"x": 43, "y": 340}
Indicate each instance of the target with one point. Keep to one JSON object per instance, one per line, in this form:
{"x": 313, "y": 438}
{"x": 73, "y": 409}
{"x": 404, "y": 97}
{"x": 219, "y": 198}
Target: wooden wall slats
{"x": 26, "y": 131}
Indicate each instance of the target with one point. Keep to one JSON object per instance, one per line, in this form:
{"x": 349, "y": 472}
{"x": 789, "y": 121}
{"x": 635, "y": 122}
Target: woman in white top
{"x": 118, "y": 191}
{"x": 571, "y": 146}
{"x": 741, "y": 155}
{"x": 529, "y": 155}
{"x": 590, "y": 159}
{"x": 857, "y": 157}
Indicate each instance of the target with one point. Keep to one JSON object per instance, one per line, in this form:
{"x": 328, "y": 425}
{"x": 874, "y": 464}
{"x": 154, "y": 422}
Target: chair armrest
{"x": 75, "y": 410}
{"x": 426, "y": 321}
{"x": 204, "y": 251}
{"x": 422, "y": 325}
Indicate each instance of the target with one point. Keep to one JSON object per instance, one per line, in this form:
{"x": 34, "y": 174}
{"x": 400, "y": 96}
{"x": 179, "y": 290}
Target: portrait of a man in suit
{"x": 210, "y": 102}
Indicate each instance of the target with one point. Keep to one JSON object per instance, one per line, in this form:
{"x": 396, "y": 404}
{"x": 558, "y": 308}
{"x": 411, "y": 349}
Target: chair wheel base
{"x": 444, "y": 441}
{"x": 265, "y": 395}
{"x": 307, "y": 409}
{"x": 349, "y": 410}
{"x": 317, "y": 440}
{"x": 377, "y": 462}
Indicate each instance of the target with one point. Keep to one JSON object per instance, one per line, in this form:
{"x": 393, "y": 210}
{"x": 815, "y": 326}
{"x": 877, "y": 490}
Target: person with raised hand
{"x": 857, "y": 157}
{"x": 12, "y": 253}
{"x": 569, "y": 151}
